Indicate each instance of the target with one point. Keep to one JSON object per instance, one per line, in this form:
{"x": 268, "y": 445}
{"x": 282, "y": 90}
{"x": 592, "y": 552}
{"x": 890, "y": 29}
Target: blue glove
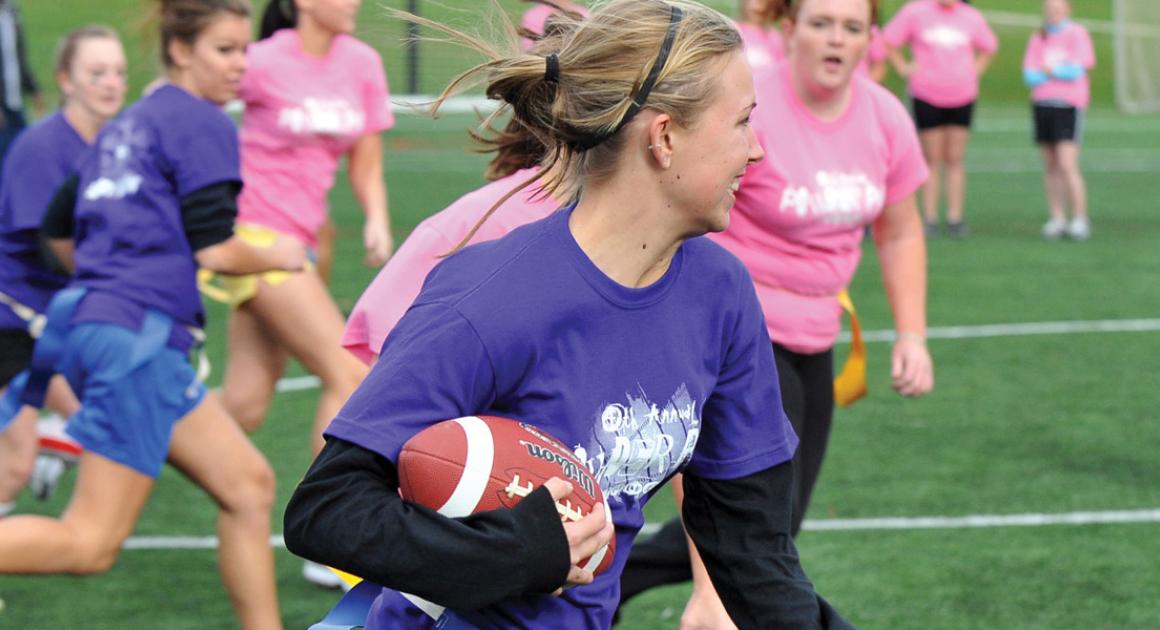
{"x": 1034, "y": 78}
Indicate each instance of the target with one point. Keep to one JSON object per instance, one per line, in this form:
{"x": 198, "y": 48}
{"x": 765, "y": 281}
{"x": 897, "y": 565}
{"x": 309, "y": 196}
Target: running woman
{"x": 764, "y": 47}
{"x": 584, "y": 321}
{"x": 90, "y": 73}
{"x": 1055, "y": 67}
{"x": 840, "y": 155}
{"x": 313, "y": 95}
{"x": 951, "y": 46}
{"x": 154, "y": 199}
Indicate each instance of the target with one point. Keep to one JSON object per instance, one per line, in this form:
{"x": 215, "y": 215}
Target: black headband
{"x": 646, "y": 87}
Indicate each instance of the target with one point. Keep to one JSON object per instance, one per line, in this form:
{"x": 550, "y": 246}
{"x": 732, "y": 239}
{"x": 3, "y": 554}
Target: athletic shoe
{"x": 319, "y": 575}
{"x": 1054, "y": 229}
{"x": 58, "y": 453}
{"x": 1079, "y": 229}
{"x": 930, "y": 230}
{"x": 958, "y": 230}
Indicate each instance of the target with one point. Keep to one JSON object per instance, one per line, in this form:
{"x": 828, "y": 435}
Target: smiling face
{"x": 94, "y": 83}
{"x": 213, "y": 65}
{"x": 711, "y": 155}
{"x": 336, "y": 16}
{"x": 827, "y": 40}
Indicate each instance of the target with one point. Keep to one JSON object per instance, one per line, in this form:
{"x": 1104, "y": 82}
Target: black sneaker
{"x": 958, "y": 230}
{"x": 930, "y": 230}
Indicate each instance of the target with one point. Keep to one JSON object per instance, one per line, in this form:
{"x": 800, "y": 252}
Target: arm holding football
{"x": 347, "y": 513}
{"x": 741, "y": 529}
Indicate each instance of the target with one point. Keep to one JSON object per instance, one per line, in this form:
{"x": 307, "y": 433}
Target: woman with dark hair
{"x": 154, "y": 200}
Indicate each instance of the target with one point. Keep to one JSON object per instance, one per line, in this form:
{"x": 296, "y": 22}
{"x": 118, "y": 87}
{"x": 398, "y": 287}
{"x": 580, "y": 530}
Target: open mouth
{"x": 832, "y": 62}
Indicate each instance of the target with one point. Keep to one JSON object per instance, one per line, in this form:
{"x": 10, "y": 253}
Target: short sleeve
{"x": 433, "y": 367}
{"x": 1030, "y": 61}
{"x": 744, "y": 428}
{"x": 377, "y": 97}
{"x": 984, "y": 39}
{"x": 208, "y": 156}
{"x": 908, "y": 168}
{"x": 897, "y": 32}
{"x": 393, "y": 291}
{"x": 30, "y": 186}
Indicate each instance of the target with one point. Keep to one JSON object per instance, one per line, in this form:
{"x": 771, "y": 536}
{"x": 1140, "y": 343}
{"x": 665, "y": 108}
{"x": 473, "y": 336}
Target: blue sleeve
{"x": 744, "y": 427}
{"x": 1034, "y": 78}
{"x": 30, "y": 182}
{"x": 433, "y": 367}
{"x": 1068, "y": 71}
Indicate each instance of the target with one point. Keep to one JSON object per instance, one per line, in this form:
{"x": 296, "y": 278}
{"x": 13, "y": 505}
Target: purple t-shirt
{"x": 131, "y": 248}
{"x": 640, "y": 383}
{"x": 39, "y": 161}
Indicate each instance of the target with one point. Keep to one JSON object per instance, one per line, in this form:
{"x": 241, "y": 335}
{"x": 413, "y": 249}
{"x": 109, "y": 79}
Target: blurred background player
{"x": 313, "y": 95}
{"x": 155, "y": 199}
{"x": 840, "y": 155}
{"x": 90, "y": 73}
{"x": 873, "y": 63}
{"x": 533, "y": 21}
{"x": 580, "y": 321}
{"x": 1055, "y": 67}
{"x": 951, "y": 46}
{"x": 757, "y": 23}
{"x": 16, "y": 80}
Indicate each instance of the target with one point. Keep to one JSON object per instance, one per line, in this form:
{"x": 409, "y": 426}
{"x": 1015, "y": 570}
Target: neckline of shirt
{"x": 609, "y": 289}
{"x": 798, "y": 106}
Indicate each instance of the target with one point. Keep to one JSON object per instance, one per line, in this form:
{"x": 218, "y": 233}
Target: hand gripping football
{"x": 480, "y": 463}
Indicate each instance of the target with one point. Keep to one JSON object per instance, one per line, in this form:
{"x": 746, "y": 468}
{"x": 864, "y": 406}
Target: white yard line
{"x": 1021, "y": 330}
{"x": 972, "y": 521}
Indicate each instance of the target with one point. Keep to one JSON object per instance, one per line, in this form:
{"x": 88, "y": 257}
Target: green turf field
{"x": 1020, "y": 424}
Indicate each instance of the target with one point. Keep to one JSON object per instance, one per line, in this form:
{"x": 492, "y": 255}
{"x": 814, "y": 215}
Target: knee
{"x": 253, "y": 490}
{"x": 94, "y": 555}
{"x": 248, "y": 409}
{"x": 345, "y": 375}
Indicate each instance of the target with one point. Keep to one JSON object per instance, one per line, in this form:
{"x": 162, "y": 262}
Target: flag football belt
{"x": 33, "y": 319}
{"x": 156, "y": 329}
{"x": 850, "y": 383}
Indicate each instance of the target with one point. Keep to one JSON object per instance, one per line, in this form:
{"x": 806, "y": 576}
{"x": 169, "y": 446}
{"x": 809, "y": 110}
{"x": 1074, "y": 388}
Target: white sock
{"x": 6, "y": 508}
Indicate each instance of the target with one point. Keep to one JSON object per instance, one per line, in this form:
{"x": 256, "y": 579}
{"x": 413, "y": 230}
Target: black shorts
{"x": 15, "y": 353}
{"x": 927, "y": 116}
{"x": 1056, "y": 123}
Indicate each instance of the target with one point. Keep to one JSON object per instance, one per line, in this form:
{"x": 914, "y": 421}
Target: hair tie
{"x": 552, "y": 68}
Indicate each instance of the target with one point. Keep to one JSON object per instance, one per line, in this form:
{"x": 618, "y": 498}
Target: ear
{"x": 181, "y": 53}
{"x": 660, "y": 139}
{"x": 64, "y": 84}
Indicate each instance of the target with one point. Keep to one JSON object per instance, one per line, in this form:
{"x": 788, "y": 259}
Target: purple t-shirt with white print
{"x": 40, "y": 159}
{"x": 640, "y": 383}
{"x": 131, "y": 248}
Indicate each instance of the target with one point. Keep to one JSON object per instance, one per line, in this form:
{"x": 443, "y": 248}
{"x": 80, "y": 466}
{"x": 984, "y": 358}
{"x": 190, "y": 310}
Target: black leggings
{"x": 807, "y": 393}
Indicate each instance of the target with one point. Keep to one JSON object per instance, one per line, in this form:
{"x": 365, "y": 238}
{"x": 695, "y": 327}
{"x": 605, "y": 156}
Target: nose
{"x": 756, "y": 152}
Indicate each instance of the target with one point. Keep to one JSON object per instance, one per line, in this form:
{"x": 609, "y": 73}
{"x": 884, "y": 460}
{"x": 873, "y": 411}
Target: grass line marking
{"x": 973, "y": 521}
{"x": 1020, "y": 330}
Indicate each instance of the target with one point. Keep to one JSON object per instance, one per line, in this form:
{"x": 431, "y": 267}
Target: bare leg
{"x": 17, "y": 454}
{"x": 932, "y": 141}
{"x": 956, "y": 172}
{"x": 210, "y": 449}
{"x": 1053, "y": 182}
{"x": 1072, "y": 178}
{"x": 256, "y": 362}
{"x": 304, "y": 319}
{"x": 86, "y": 539}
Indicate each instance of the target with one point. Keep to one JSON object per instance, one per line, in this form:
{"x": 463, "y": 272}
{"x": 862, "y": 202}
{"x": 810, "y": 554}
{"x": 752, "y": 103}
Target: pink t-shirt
{"x": 535, "y": 17}
{"x": 391, "y": 293}
{"x": 1071, "y": 45}
{"x": 302, "y": 114}
{"x": 764, "y": 47}
{"x": 801, "y": 212}
{"x": 875, "y": 53}
{"x": 943, "y": 41}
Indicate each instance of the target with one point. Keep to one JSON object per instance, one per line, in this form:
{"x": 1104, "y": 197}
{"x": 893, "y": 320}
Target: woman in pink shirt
{"x": 951, "y": 46}
{"x": 391, "y": 293}
{"x": 841, "y": 154}
{"x": 874, "y": 61}
{"x": 757, "y": 23}
{"x": 1055, "y": 67}
{"x": 313, "y": 95}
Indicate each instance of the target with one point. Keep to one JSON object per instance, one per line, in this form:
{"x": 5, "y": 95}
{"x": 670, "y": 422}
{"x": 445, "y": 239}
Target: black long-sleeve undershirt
{"x": 347, "y": 513}
{"x": 741, "y": 530}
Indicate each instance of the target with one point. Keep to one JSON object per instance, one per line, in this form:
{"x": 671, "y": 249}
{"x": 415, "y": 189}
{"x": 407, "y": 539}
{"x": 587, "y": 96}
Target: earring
{"x": 650, "y": 147}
